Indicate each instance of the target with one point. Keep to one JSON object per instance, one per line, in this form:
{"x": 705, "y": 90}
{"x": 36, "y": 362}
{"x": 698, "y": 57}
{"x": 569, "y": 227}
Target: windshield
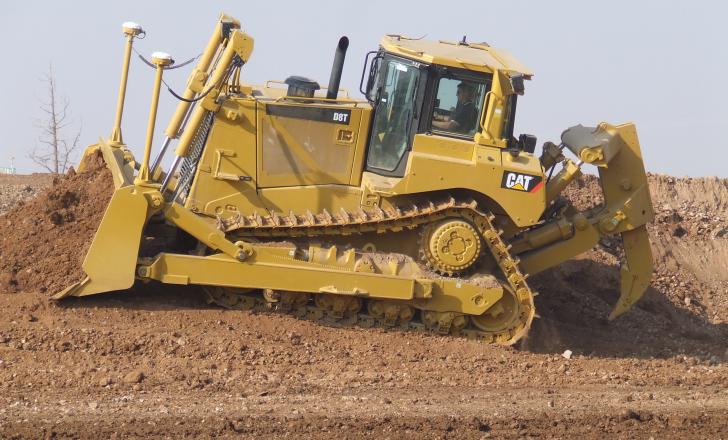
{"x": 393, "y": 115}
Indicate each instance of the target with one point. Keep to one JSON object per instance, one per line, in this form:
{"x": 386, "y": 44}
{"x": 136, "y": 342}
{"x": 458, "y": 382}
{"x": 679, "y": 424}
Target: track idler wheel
{"x": 508, "y": 319}
{"x": 230, "y": 298}
{"x": 391, "y": 313}
{"x": 451, "y": 246}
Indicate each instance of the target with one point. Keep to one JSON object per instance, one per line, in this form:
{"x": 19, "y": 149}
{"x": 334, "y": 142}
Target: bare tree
{"x": 55, "y": 153}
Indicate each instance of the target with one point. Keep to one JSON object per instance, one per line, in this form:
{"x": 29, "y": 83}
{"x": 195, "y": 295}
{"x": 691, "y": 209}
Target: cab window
{"x": 458, "y": 106}
{"x": 394, "y": 113}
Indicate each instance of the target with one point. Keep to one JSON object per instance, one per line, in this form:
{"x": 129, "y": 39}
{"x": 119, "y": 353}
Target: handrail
{"x": 319, "y": 99}
{"x": 485, "y": 114}
{"x": 467, "y": 63}
{"x": 268, "y": 83}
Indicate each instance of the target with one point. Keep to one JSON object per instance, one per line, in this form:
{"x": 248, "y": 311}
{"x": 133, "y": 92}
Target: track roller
{"x": 230, "y": 298}
{"x": 390, "y": 312}
{"x": 286, "y": 302}
{"x": 338, "y": 307}
{"x": 444, "y": 322}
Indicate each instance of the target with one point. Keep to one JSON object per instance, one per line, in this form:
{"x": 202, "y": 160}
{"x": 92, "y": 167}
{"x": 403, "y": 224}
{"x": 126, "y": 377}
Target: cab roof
{"x": 472, "y": 56}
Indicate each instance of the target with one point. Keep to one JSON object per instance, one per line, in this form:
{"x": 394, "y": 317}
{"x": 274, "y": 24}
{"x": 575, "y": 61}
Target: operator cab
{"x": 440, "y": 89}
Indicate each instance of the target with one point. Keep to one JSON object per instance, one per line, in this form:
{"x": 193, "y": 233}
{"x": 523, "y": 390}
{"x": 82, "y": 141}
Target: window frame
{"x": 437, "y": 74}
{"x": 417, "y": 112}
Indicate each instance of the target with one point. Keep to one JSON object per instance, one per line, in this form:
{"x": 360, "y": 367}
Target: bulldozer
{"x": 413, "y": 207}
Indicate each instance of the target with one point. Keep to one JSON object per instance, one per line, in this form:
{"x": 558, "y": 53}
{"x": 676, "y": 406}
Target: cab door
{"x": 400, "y": 88}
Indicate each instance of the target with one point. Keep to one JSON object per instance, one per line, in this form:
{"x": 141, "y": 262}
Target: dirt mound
{"x": 686, "y": 307}
{"x": 47, "y": 237}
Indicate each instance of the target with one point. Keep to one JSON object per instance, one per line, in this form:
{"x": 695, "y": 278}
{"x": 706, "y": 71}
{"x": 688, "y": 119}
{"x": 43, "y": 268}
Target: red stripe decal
{"x": 537, "y": 187}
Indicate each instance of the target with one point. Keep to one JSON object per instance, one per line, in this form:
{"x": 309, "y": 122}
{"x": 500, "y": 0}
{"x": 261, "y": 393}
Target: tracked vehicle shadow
{"x": 576, "y": 298}
{"x": 152, "y": 296}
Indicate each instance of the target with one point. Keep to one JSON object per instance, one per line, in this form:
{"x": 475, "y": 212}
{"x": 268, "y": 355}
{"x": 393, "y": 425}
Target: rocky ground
{"x": 159, "y": 362}
{"x": 16, "y": 189}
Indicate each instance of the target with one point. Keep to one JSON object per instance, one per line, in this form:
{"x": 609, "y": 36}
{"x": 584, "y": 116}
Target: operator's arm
{"x": 448, "y": 122}
{"x": 454, "y": 122}
{"x": 445, "y": 125}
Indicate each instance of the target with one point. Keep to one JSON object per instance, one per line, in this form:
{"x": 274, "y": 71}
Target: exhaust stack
{"x": 337, "y": 68}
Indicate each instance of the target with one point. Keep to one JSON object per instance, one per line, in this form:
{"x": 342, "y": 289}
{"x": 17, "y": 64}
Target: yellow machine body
{"x": 395, "y": 208}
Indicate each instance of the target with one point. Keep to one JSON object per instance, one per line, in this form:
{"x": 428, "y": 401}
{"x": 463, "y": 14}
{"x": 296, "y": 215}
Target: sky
{"x": 658, "y": 64}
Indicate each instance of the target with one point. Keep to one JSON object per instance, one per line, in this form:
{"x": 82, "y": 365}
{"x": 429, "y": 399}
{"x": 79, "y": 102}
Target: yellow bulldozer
{"x": 415, "y": 207}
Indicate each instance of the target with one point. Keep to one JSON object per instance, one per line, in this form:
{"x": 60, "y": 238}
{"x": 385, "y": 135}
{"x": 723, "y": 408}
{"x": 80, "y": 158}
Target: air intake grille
{"x": 189, "y": 164}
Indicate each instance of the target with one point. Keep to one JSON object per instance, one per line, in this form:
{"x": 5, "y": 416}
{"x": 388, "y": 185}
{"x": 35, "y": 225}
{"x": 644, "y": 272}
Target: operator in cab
{"x": 464, "y": 116}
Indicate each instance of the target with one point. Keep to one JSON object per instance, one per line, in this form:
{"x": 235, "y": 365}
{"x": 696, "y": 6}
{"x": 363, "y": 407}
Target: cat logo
{"x": 521, "y": 182}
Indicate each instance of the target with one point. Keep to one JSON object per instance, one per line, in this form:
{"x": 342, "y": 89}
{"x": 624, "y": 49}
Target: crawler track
{"x": 517, "y": 310}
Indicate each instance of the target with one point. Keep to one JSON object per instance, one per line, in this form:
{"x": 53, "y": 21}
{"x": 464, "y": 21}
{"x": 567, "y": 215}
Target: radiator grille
{"x": 189, "y": 164}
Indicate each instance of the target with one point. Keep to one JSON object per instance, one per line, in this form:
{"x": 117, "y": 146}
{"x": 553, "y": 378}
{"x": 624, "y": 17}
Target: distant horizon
{"x": 591, "y": 64}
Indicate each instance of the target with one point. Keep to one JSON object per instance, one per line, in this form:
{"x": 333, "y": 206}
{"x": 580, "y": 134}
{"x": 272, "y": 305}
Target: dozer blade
{"x": 110, "y": 263}
{"x": 636, "y": 270}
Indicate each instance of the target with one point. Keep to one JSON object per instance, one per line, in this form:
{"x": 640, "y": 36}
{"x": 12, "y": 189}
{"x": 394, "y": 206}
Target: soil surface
{"x": 159, "y": 362}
